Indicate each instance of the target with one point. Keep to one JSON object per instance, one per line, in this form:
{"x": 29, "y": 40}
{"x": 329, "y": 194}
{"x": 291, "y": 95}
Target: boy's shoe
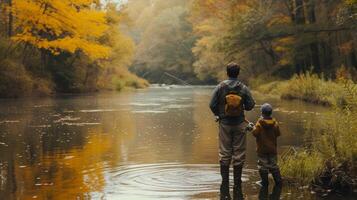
{"x": 224, "y": 190}
{"x": 275, "y": 195}
{"x": 264, "y": 178}
{"x": 263, "y": 193}
{"x": 277, "y": 177}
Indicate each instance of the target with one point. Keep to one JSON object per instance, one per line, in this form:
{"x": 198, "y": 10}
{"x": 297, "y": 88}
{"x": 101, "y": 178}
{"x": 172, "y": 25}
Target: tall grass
{"x": 311, "y": 88}
{"x": 307, "y": 87}
{"x": 302, "y": 165}
{"x": 335, "y": 142}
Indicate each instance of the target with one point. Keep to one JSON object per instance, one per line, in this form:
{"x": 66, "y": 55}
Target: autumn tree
{"x": 59, "y": 26}
{"x": 276, "y": 37}
{"x": 62, "y": 46}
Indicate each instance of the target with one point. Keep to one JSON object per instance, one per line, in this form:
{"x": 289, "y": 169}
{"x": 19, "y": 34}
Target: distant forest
{"x": 74, "y": 46}
{"x": 196, "y": 38}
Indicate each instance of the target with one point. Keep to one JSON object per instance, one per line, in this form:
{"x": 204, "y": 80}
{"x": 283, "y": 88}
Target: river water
{"x": 157, "y": 143}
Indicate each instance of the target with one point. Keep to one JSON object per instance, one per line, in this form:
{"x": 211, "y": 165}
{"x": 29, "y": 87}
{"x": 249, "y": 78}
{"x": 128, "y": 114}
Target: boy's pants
{"x": 268, "y": 162}
{"x": 232, "y": 144}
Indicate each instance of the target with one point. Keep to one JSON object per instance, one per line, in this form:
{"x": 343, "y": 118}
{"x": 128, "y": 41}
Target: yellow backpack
{"x": 233, "y": 105}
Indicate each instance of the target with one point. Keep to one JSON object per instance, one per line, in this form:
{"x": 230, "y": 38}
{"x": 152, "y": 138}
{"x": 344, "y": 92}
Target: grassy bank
{"x": 306, "y": 87}
{"x": 328, "y": 161}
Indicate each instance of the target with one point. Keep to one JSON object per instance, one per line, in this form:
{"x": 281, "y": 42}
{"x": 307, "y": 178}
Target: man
{"x": 229, "y": 100}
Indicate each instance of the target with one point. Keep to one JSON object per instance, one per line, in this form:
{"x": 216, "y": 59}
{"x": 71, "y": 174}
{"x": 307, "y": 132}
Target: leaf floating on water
{"x": 9, "y": 121}
{"x": 40, "y": 126}
{"x": 81, "y": 124}
{"x": 150, "y": 111}
{"x": 68, "y": 157}
{"x": 98, "y": 110}
{"x": 4, "y": 144}
{"x": 67, "y": 118}
{"x": 68, "y": 111}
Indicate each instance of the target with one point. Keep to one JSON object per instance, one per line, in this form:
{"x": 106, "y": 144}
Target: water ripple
{"x": 167, "y": 180}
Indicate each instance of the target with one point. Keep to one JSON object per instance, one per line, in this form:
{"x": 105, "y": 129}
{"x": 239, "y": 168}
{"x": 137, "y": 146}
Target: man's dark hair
{"x": 233, "y": 70}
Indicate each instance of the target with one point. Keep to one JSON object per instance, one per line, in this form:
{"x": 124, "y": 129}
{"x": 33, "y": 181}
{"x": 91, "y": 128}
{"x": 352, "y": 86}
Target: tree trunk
{"x": 310, "y": 7}
{"x": 299, "y": 10}
{"x": 10, "y": 19}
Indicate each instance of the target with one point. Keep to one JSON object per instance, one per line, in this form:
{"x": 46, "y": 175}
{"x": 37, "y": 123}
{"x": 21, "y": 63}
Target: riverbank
{"x": 327, "y": 162}
{"x": 17, "y": 81}
{"x": 305, "y": 87}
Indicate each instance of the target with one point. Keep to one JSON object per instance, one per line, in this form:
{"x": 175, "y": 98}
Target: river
{"x": 157, "y": 143}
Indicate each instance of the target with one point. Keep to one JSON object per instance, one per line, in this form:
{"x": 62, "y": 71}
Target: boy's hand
{"x": 250, "y": 126}
{"x": 217, "y": 118}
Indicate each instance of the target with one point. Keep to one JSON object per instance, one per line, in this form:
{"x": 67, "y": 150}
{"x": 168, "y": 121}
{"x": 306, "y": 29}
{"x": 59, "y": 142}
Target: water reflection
{"x": 152, "y": 144}
{"x": 275, "y": 194}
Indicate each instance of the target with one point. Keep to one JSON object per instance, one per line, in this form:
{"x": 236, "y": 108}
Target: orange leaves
{"x": 283, "y": 47}
{"x": 66, "y": 25}
{"x": 279, "y": 19}
{"x": 346, "y": 47}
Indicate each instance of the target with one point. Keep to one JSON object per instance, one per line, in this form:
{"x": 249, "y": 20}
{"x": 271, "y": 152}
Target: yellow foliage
{"x": 66, "y": 25}
{"x": 346, "y": 47}
{"x": 279, "y": 19}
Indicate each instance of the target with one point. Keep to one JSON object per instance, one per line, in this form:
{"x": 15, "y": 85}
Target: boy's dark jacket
{"x": 218, "y": 100}
{"x": 266, "y": 132}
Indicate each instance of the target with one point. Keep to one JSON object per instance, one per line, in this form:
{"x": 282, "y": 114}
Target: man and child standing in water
{"x": 229, "y": 101}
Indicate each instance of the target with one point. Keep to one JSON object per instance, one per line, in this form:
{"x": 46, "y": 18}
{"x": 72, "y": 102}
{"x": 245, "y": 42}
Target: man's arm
{"x": 249, "y": 102}
{"x": 214, "y": 101}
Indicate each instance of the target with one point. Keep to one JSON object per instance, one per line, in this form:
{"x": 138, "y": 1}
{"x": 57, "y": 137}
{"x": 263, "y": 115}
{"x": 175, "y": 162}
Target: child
{"x": 266, "y": 132}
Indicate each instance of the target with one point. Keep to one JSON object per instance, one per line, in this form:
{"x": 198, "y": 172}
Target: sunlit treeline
{"x": 275, "y": 37}
{"x": 87, "y": 45}
{"x": 266, "y": 37}
{"x": 63, "y": 46}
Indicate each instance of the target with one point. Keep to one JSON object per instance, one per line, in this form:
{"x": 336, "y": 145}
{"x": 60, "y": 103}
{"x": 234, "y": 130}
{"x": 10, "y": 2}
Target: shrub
{"x": 311, "y": 88}
{"x": 14, "y": 80}
{"x": 307, "y": 87}
{"x": 335, "y": 142}
{"x": 42, "y": 87}
{"x": 119, "y": 84}
{"x": 301, "y": 165}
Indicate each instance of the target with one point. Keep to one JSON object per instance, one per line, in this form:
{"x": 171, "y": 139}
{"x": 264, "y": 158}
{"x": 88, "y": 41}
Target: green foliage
{"x": 306, "y": 87}
{"x": 15, "y": 81}
{"x": 130, "y": 81}
{"x": 303, "y": 165}
{"x": 333, "y": 143}
{"x": 311, "y": 88}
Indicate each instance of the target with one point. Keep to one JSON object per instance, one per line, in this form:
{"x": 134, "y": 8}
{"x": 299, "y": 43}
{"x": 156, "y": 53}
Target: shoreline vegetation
{"x": 64, "y": 47}
{"x": 307, "y": 87}
{"x": 328, "y": 160}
